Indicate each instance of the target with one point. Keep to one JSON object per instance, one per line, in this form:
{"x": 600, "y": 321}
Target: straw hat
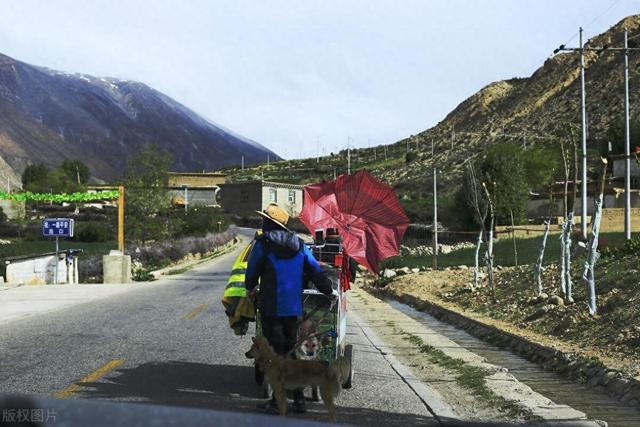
{"x": 276, "y": 214}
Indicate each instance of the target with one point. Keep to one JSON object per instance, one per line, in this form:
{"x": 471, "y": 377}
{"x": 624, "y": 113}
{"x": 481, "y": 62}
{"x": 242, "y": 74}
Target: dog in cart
{"x": 322, "y": 329}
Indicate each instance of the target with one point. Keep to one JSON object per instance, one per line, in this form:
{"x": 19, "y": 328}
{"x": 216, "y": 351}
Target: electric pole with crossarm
{"x": 627, "y": 149}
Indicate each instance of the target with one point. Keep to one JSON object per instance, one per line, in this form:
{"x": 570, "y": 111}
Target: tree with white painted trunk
{"x": 476, "y": 199}
{"x": 588, "y": 274}
{"x": 566, "y": 284}
{"x": 489, "y": 252}
{"x": 537, "y": 275}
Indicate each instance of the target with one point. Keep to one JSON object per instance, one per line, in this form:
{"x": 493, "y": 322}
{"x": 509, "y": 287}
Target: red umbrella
{"x": 365, "y": 211}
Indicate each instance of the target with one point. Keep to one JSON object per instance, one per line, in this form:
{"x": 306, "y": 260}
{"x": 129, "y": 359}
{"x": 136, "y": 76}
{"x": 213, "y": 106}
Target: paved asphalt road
{"x": 169, "y": 344}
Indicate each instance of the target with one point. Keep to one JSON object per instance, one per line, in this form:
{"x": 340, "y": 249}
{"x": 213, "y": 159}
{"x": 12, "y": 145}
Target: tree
{"x": 541, "y": 166}
{"x": 504, "y": 172}
{"x": 36, "y": 178}
{"x": 60, "y": 182}
{"x": 615, "y": 135}
{"x": 77, "y": 171}
{"x": 145, "y": 183}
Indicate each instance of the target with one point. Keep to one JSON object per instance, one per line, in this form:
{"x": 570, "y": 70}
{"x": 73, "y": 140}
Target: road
{"x": 168, "y": 343}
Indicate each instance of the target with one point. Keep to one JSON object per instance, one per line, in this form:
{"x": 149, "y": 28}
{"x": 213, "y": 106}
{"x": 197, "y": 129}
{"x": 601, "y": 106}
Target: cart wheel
{"x": 267, "y": 391}
{"x": 348, "y": 353}
{"x": 315, "y": 394}
{"x": 258, "y": 374}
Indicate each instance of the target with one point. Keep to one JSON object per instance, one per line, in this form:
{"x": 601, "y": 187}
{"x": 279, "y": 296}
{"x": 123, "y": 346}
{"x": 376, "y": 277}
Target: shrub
{"x": 199, "y": 221}
{"x": 90, "y": 269}
{"x": 160, "y": 254}
{"x": 410, "y": 157}
{"x": 94, "y": 232}
{"x": 632, "y": 246}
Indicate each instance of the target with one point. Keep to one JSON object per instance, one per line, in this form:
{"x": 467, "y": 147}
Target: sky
{"x": 303, "y": 77}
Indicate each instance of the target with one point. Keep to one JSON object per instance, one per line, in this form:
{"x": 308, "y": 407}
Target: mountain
{"x": 47, "y": 116}
{"x": 537, "y": 110}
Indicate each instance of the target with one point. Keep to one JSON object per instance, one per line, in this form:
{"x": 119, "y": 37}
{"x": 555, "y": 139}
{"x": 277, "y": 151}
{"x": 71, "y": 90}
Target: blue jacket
{"x": 280, "y": 259}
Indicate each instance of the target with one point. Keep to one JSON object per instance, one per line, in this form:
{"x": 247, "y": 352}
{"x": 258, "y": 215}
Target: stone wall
{"x": 41, "y": 270}
{"x": 13, "y": 209}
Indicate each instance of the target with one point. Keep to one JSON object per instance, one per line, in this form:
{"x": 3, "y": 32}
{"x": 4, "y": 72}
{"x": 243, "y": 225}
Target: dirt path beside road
{"x": 471, "y": 388}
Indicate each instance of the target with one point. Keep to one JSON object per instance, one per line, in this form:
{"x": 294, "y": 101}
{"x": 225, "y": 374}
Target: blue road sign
{"x": 57, "y": 227}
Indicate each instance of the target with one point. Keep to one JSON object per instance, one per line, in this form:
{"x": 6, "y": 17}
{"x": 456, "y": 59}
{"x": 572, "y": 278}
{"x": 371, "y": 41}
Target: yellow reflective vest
{"x": 235, "y": 283}
{"x": 239, "y": 309}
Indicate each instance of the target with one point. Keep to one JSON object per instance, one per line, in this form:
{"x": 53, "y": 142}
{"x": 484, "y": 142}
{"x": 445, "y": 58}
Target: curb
{"x": 623, "y": 388}
{"x": 433, "y": 401}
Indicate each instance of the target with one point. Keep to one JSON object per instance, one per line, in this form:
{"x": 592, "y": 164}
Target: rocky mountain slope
{"x": 47, "y": 116}
{"x": 528, "y": 111}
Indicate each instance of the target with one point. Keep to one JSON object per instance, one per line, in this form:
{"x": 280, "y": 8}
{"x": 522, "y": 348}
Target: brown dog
{"x": 289, "y": 374}
{"x": 308, "y": 344}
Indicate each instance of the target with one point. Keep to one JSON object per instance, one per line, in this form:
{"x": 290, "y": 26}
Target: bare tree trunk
{"x": 588, "y": 275}
{"x": 474, "y": 196}
{"x": 565, "y": 202}
{"x": 476, "y": 271}
{"x": 566, "y": 265}
{"x": 567, "y": 228}
{"x": 490, "y": 244}
{"x": 539, "y": 268}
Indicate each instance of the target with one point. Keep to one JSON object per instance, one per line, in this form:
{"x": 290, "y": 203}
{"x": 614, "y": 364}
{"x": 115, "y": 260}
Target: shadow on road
{"x": 220, "y": 387}
{"x": 232, "y": 388}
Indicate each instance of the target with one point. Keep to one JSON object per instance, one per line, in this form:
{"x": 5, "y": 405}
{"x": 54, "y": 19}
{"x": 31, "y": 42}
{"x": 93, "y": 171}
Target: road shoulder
{"x": 21, "y": 302}
{"x": 455, "y": 382}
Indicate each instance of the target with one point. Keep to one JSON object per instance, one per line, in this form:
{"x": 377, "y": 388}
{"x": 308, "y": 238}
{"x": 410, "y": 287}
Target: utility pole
{"x": 583, "y": 113}
{"x": 318, "y": 149}
{"x": 268, "y": 159}
{"x": 242, "y": 162}
{"x": 435, "y": 209}
{"x": 583, "y": 109}
{"x": 453, "y": 138}
{"x": 581, "y": 50}
{"x": 627, "y": 145}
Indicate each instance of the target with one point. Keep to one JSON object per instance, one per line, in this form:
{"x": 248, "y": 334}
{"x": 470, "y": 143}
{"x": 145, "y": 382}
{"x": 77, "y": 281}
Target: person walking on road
{"x": 278, "y": 262}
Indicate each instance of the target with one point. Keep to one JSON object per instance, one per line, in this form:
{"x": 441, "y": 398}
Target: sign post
{"x": 57, "y": 227}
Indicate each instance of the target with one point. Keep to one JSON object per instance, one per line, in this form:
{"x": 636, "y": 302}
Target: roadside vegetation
{"x": 610, "y": 338}
{"x": 472, "y": 378}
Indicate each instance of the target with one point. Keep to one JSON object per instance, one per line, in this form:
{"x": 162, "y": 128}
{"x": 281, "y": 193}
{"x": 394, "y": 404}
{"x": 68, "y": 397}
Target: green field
{"x": 528, "y": 252}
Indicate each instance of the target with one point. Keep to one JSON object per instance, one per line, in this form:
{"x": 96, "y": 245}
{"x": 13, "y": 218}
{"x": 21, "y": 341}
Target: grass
{"x": 528, "y": 252}
{"x": 470, "y": 377}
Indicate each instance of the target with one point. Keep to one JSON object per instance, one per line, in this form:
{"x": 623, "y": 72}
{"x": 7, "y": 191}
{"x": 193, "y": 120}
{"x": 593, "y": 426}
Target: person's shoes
{"x": 298, "y": 407}
{"x": 268, "y": 407}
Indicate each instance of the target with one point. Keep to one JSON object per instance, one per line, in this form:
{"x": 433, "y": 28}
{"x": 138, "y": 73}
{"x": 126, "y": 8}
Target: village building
{"x": 613, "y": 203}
{"x": 195, "y": 188}
{"x": 244, "y": 198}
